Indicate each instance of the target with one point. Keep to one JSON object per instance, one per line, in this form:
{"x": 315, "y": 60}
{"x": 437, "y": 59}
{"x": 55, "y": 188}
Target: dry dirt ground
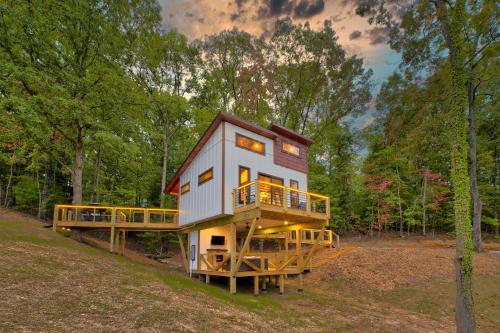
{"x": 51, "y": 283}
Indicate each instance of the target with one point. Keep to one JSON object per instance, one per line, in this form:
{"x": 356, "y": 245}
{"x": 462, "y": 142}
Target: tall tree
{"x": 64, "y": 57}
{"x": 420, "y": 30}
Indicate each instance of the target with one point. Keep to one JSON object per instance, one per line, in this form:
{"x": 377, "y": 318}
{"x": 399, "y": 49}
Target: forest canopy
{"x": 100, "y": 105}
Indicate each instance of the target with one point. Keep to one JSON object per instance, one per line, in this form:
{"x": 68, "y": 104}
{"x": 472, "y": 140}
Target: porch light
{"x": 286, "y": 222}
{"x": 260, "y": 227}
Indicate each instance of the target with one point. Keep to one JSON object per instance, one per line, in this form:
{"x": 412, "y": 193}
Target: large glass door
{"x": 271, "y": 195}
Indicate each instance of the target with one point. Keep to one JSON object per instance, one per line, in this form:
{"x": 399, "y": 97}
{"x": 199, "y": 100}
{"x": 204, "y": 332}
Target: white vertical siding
{"x": 203, "y": 201}
{"x": 236, "y": 156}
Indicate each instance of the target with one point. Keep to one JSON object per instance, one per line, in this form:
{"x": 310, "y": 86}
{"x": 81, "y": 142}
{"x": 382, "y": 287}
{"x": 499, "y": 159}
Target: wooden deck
{"x": 296, "y": 219}
{"x": 117, "y": 219}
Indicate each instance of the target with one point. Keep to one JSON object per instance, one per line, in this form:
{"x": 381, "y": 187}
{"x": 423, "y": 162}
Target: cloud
{"x": 309, "y": 8}
{"x": 355, "y": 35}
{"x": 295, "y": 8}
{"x": 378, "y": 35}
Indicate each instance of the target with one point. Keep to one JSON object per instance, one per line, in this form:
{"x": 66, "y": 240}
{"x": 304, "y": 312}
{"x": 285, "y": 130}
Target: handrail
{"x": 115, "y": 207}
{"x": 77, "y": 214}
{"x": 254, "y": 193}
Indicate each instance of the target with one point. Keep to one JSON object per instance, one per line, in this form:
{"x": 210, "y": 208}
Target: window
{"x": 244, "y": 175}
{"x": 206, "y": 176}
{"x": 294, "y": 195}
{"x": 185, "y": 188}
{"x": 290, "y": 149}
{"x": 244, "y": 178}
{"x": 250, "y": 144}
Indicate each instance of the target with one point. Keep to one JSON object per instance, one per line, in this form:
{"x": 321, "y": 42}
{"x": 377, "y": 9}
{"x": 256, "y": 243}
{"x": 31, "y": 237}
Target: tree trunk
{"x": 452, "y": 26}
{"x": 424, "y": 204}
{"x": 476, "y": 199}
{"x": 77, "y": 169}
{"x": 497, "y": 175}
{"x": 164, "y": 164}
{"x": 399, "y": 204}
{"x": 39, "y": 190}
{"x": 95, "y": 183}
{"x": 45, "y": 188}
{"x": 8, "y": 187}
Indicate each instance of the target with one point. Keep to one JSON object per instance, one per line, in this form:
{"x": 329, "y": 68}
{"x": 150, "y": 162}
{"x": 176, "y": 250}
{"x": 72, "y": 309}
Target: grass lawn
{"x": 49, "y": 282}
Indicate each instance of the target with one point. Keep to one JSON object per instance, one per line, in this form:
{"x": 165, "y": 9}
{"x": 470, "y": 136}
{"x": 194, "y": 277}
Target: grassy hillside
{"x": 51, "y": 283}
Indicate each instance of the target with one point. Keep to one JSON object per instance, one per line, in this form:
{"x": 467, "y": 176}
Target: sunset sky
{"x": 197, "y": 18}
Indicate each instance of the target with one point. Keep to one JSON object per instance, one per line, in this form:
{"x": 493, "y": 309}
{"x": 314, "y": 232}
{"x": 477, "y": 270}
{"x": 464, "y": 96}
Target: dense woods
{"x": 100, "y": 105}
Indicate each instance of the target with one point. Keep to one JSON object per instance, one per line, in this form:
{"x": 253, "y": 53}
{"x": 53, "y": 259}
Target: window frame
{"x": 287, "y": 152}
{"x": 189, "y": 188}
{"x": 250, "y": 149}
{"x": 294, "y": 195}
{"x": 211, "y": 170}
{"x": 242, "y": 192}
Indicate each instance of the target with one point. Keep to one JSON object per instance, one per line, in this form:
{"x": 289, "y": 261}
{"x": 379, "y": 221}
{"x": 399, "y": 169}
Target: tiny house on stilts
{"x": 243, "y": 184}
{"x": 240, "y": 185}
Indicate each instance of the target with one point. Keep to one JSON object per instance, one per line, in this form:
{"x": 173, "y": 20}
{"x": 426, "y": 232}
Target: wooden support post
{"x": 232, "y": 285}
{"x": 282, "y": 284}
{"x": 232, "y": 277}
{"x": 116, "y": 245}
{"x": 55, "y": 218}
{"x": 312, "y": 250}
{"x": 244, "y": 248}
{"x": 298, "y": 241}
{"x": 264, "y": 284}
{"x": 257, "y": 193}
{"x": 256, "y": 285}
{"x": 207, "y": 278}
{"x": 183, "y": 253}
{"x": 276, "y": 281}
{"x": 301, "y": 282}
{"x": 112, "y": 239}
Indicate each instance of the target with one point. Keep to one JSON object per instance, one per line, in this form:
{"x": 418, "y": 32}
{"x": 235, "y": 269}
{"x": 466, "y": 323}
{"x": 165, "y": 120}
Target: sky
{"x": 198, "y": 18}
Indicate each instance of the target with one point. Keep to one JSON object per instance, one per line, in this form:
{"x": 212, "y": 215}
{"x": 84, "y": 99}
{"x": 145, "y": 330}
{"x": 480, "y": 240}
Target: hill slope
{"x": 51, "y": 283}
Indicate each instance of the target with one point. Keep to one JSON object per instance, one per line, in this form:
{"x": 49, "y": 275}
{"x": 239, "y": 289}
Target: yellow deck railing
{"x": 81, "y": 215}
{"x": 279, "y": 196}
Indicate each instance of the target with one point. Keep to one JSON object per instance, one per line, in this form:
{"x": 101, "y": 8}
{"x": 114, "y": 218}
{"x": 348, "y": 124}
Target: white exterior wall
{"x": 236, "y": 156}
{"x": 206, "y": 236}
{"x": 203, "y": 201}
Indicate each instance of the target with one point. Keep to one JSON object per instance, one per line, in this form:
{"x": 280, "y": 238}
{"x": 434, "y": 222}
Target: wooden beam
{"x": 209, "y": 265}
{"x": 256, "y": 285}
{"x": 282, "y": 284}
{"x": 183, "y": 252}
{"x": 112, "y": 239}
{"x": 244, "y": 248}
{"x": 252, "y": 266}
{"x": 219, "y": 265}
{"x": 232, "y": 253}
{"x": 295, "y": 226}
{"x": 312, "y": 250}
{"x": 300, "y": 282}
{"x": 287, "y": 262}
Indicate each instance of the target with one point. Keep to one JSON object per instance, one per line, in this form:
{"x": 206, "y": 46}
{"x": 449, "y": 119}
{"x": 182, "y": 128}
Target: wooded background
{"x": 100, "y": 105}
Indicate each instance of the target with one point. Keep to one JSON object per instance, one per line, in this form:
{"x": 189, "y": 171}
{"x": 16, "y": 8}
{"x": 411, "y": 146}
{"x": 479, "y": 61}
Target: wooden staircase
{"x": 326, "y": 255}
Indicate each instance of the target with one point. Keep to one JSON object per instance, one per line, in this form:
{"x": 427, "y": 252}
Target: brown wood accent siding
{"x": 298, "y": 163}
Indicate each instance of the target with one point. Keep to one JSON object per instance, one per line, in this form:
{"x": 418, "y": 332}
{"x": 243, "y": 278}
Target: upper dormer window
{"x": 290, "y": 149}
{"x": 250, "y": 144}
